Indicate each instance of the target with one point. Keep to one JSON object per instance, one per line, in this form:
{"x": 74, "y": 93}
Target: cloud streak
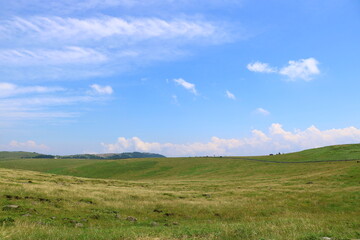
{"x": 69, "y": 47}
{"x": 230, "y": 95}
{"x": 187, "y": 85}
{"x": 277, "y": 139}
{"x": 39, "y": 102}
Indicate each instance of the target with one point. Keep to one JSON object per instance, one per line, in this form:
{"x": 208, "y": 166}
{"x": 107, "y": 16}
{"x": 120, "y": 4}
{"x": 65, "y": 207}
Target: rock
{"x": 326, "y": 238}
{"x": 26, "y": 215}
{"x": 79, "y": 225}
{"x": 154, "y": 224}
{"x": 131, "y": 219}
{"x": 10, "y": 207}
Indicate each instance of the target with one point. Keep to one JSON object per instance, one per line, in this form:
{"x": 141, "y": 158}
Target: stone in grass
{"x": 79, "y": 225}
{"x": 131, "y": 219}
{"x": 154, "y": 224}
{"x": 326, "y": 238}
{"x": 10, "y": 207}
{"x": 26, "y": 215}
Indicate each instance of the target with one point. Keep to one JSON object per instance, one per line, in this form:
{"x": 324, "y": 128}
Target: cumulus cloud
{"x": 277, "y": 139}
{"x": 27, "y": 146}
{"x": 260, "y": 67}
{"x": 106, "y": 90}
{"x": 189, "y": 86}
{"x": 262, "y": 111}
{"x": 230, "y": 95}
{"x": 304, "y": 69}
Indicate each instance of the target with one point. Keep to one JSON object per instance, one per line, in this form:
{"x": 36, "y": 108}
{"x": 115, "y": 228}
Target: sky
{"x": 180, "y": 78}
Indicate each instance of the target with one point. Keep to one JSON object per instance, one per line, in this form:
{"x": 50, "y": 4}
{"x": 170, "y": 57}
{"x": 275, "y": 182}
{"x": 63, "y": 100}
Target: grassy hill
{"x": 181, "y": 198}
{"x": 336, "y": 152}
{"x": 178, "y": 168}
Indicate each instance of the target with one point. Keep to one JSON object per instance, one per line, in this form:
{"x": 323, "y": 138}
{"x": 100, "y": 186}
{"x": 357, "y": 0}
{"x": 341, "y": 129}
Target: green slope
{"x": 183, "y": 168}
{"x": 336, "y": 152}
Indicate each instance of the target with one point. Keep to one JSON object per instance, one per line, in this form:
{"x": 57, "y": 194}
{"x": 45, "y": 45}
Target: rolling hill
{"x": 179, "y": 168}
{"x": 183, "y": 198}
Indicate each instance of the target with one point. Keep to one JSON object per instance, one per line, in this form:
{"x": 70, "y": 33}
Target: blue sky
{"x": 230, "y": 77}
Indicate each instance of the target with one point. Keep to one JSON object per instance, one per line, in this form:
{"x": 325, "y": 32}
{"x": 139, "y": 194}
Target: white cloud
{"x": 39, "y": 102}
{"x": 230, "y": 95}
{"x": 262, "y": 111}
{"x": 9, "y": 89}
{"x": 94, "y": 29}
{"x": 189, "y": 86}
{"x": 68, "y": 55}
{"x": 277, "y": 139}
{"x": 27, "y": 146}
{"x": 46, "y": 47}
{"x": 175, "y": 99}
{"x": 106, "y": 90}
{"x": 260, "y": 67}
{"x": 303, "y": 69}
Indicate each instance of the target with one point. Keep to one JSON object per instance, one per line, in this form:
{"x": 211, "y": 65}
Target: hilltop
{"x": 126, "y": 155}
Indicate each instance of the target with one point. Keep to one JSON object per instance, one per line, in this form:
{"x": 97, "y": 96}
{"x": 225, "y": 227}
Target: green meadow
{"x": 183, "y": 198}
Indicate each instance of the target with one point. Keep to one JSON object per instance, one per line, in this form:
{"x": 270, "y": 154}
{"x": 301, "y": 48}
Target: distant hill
{"x": 125, "y": 155}
{"x": 20, "y": 155}
{"x": 103, "y": 166}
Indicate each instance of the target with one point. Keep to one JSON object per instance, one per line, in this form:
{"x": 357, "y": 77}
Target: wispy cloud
{"x": 65, "y": 47}
{"x": 68, "y": 55}
{"x": 262, "y": 111}
{"x": 188, "y": 86}
{"x": 106, "y": 90}
{"x": 39, "y": 102}
{"x": 94, "y": 29}
{"x": 230, "y": 95}
{"x": 304, "y": 69}
{"x": 277, "y": 139}
{"x": 9, "y": 89}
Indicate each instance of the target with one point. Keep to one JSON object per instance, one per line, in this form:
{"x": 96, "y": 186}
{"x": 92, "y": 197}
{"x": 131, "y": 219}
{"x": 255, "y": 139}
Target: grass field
{"x": 183, "y": 198}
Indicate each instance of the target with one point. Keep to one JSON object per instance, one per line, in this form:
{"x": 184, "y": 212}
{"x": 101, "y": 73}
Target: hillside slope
{"x": 183, "y": 168}
{"x": 335, "y": 152}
